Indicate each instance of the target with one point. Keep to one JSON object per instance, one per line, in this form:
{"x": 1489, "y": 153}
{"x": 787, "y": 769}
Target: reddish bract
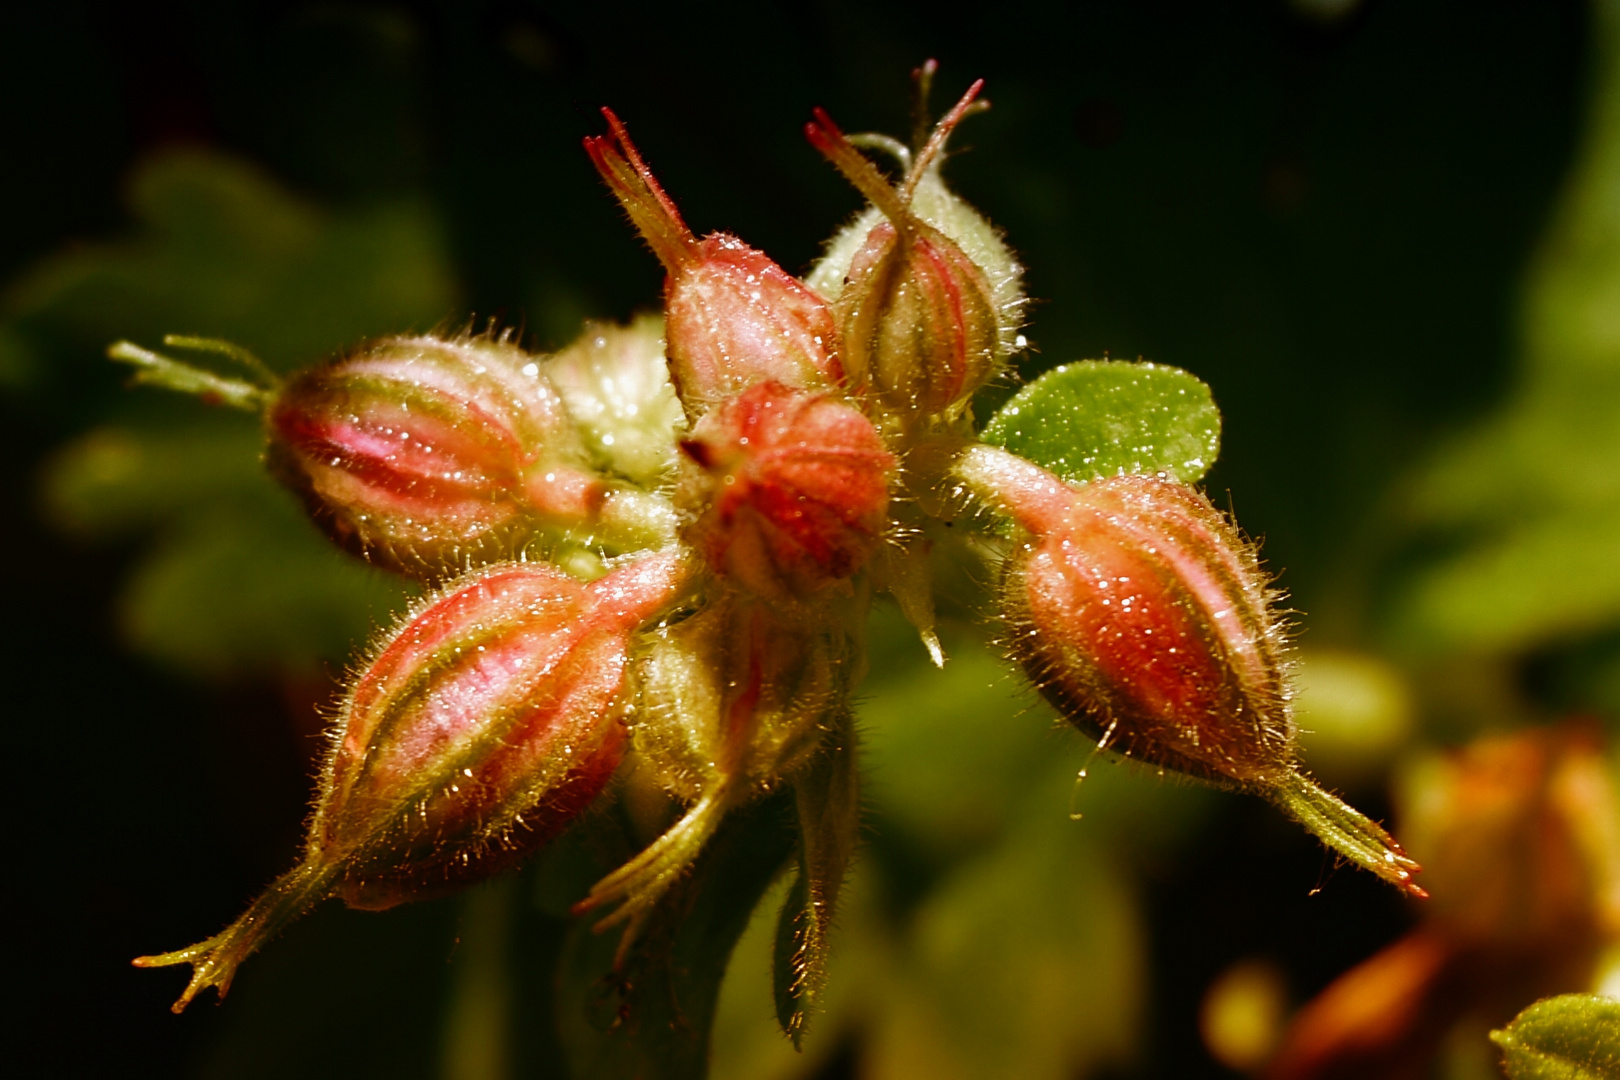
{"x": 791, "y": 489}
{"x": 733, "y": 317}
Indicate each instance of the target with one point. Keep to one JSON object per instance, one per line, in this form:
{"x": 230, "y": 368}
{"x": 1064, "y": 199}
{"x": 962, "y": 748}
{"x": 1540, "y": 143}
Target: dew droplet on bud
{"x": 423, "y": 453}
{"x": 1144, "y": 617}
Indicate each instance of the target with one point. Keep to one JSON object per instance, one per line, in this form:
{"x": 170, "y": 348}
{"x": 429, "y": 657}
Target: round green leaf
{"x": 1573, "y": 1037}
{"x": 1098, "y": 418}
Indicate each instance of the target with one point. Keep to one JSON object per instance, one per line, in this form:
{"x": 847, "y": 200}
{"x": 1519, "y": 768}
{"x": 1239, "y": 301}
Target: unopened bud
{"x": 423, "y": 453}
{"x": 483, "y": 726}
{"x": 730, "y": 701}
{"x": 614, "y": 381}
{"x": 921, "y": 319}
{"x": 732, "y": 316}
{"x": 1144, "y": 617}
{"x": 792, "y": 489}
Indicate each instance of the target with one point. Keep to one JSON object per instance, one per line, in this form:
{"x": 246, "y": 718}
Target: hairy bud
{"x": 732, "y": 316}
{"x": 921, "y": 319}
{"x": 791, "y": 489}
{"x": 1143, "y": 616}
{"x": 482, "y": 726}
{"x": 423, "y": 453}
{"x": 730, "y": 701}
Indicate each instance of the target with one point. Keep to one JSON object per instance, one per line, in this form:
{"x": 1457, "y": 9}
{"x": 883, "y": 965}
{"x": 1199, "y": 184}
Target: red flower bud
{"x": 423, "y": 454}
{"x": 483, "y": 726}
{"x": 1146, "y": 621}
{"x": 792, "y": 489}
{"x": 732, "y": 316}
{"x": 1143, "y": 616}
{"x": 919, "y": 319}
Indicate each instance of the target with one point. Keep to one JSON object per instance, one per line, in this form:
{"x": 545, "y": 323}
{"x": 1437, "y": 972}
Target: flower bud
{"x": 614, "y": 382}
{"x": 1144, "y": 617}
{"x": 921, "y": 319}
{"x": 481, "y": 727}
{"x": 790, "y": 487}
{"x": 732, "y": 316}
{"x": 730, "y": 701}
{"x": 424, "y": 454}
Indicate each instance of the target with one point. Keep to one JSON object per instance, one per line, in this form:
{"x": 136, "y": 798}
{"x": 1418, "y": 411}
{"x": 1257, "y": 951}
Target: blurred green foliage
{"x": 1528, "y": 500}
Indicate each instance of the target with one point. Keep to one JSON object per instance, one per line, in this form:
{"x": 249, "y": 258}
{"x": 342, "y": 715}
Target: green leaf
{"x": 221, "y": 249}
{"x": 828, "y": 803}
{"x": 1573, "y": 1037}
{"x": 1098, "y": 418}
{"x": 251, "y": 588}
{"x": 115, "y": 480}
{"x": 651, "y": 1019}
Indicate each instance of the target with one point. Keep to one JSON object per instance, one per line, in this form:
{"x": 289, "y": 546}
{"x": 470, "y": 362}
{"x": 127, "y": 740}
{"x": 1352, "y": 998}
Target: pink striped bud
{"x": 482, "y": 726}
{"x": 1144, "y": 617}
{"x": 919, "y": 318}
{"x": 791, "y": 489}
{"x": 732, "y": 316}
{"x": 424, "y": 454}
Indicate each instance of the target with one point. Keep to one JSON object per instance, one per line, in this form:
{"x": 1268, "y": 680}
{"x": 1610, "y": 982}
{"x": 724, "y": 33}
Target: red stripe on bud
{"x": 488, "y": 721}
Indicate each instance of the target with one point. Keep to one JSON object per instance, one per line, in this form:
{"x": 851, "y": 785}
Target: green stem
{"x": 1346, "y": 831}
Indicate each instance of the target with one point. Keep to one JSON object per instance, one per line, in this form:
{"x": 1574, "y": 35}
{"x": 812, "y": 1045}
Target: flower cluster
{"x": 663, "y": 542}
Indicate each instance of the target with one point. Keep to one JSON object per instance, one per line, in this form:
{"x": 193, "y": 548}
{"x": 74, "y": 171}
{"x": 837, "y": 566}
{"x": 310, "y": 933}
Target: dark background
{"x": 1326, "y": 220}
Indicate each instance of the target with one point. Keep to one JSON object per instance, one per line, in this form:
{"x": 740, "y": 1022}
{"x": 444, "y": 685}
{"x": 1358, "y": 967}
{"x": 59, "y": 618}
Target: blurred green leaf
{"x": 1098, "y": 418}
{"x": 1555, "y": 575}
{"x": 1531, "y": 497}
{"x": 1573, "y": 1037}
{"x": 652, "y": 1018}
{"x": 115, "y": 480}
{"x": 236, "y": 582}
{"x": 1025, "y": 962}
{"x": 252, "y": 588}
{"x": 220, "y": 250}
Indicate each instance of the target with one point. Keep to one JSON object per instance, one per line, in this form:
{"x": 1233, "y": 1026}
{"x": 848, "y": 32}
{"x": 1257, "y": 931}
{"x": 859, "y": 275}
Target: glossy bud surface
{"x": 485, "y": 724}
{"x": 1143, "y": 616}
{"x": 614, "y": 382}
{"x": 921, "y": 321}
